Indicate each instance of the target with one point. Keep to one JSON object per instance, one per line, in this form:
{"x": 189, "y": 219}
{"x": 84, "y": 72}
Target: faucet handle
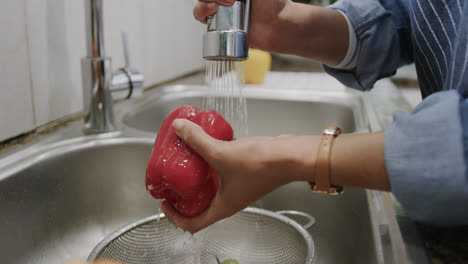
{"x": 126, "y": 81}
{"x": 125, "y": 49}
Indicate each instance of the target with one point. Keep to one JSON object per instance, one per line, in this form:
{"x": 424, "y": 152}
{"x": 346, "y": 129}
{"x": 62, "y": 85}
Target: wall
{"x": 43, "y": 41}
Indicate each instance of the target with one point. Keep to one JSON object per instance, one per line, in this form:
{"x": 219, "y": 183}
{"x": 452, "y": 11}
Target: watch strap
{"x": 322, "y": 182}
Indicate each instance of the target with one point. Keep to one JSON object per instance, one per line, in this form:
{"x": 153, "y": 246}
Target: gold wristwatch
{"x": 322, "y": 182}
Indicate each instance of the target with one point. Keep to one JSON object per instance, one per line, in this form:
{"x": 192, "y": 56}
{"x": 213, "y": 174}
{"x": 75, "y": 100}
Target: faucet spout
{"x": 96, "y": 73}
{"x": 94, "y": 28}
{"x": 98, "y": 79}
{"x": 226, "y": 36}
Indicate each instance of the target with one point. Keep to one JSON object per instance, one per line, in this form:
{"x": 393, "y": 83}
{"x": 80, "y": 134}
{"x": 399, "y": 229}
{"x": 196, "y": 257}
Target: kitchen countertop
{"x": 446, "y": 245}
{"x": 443, "y": 245}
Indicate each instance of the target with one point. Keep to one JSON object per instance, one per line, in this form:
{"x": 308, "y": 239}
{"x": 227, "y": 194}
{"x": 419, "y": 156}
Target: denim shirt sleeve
{"x": 426, "y": 157}
{"x": 383, "y": 34}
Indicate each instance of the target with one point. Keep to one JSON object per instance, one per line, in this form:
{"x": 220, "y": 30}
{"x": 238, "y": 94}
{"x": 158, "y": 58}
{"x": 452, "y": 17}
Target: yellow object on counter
{"x": 256, "y": 66}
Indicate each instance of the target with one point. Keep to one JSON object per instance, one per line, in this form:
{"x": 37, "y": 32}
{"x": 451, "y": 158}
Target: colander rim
{"x": 286, "y": 220}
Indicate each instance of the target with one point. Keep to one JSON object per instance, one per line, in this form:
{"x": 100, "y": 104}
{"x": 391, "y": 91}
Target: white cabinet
{"x": 44, "y": 40}
{"x": 16, "y": 113}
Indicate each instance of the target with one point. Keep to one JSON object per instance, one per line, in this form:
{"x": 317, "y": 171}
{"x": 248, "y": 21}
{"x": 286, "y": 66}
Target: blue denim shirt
{"x": 426, "y": 152}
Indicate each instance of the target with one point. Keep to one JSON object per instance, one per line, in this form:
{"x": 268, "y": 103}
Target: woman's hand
{"x": 282, "y": 26}
{"x": 265, "y": 14}
{"x": 248, "y": 169}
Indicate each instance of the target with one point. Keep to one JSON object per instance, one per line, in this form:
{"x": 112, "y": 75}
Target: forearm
{"x": 318, "y": 33}
{"x": 356, "y": 160}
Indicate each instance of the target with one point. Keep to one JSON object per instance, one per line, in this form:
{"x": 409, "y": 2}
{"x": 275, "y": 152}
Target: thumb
{"x": 195, "y": 137}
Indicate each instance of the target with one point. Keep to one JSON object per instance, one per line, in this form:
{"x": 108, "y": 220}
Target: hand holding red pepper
{"x": 248, "y": 168}
{"x": 178, "y": 174}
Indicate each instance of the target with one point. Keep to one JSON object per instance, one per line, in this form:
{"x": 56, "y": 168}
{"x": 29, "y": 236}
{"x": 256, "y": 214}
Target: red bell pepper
{"x": 178, "y": 174}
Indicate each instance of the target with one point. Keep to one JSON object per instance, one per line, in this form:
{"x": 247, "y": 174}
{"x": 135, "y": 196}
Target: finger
{"x": 195, "y": 137}
{"x": 191, "y": 224}
{"x": 204, "y": 9}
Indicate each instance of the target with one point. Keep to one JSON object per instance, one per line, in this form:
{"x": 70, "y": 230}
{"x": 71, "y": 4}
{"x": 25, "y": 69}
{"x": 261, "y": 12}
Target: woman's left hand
{"x": 248, "y": 169}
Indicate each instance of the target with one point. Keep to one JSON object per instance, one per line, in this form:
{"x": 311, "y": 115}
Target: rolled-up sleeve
{"x": 426, "y": 159}
{"x": 383, "y": 35}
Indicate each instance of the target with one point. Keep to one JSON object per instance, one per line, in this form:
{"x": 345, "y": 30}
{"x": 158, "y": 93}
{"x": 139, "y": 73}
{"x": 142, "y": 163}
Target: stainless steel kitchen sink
{"x": 59, "y": 203}
{"x": 343, "y": 231}
{"x": 58, "y": 200}
{"x": 270, "y": 112}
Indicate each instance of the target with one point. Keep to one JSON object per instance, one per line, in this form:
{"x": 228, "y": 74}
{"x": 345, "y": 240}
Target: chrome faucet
{"x": 98, "y": 79}
{"x": 226, "y": 36}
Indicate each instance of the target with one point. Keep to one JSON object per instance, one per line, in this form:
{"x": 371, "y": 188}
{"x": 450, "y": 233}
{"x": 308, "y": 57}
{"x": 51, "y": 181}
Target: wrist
{"x": 295, "y": 157}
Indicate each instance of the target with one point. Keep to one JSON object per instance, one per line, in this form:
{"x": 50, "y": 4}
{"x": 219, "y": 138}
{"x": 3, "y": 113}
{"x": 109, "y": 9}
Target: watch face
{"x": 332, "y": 131}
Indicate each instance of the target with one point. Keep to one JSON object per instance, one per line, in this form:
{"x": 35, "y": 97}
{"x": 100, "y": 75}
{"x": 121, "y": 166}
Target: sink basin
{"x": 60, "y": 204}
{"x": 270, "y": 112}
{"x": 343, "y": 232}
{"x": 58, "y": 201}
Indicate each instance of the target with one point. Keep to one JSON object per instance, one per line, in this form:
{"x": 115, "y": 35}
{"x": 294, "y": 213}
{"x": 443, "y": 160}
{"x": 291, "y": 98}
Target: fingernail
{"x": 211, "y": 6}
{"x": 177, "y": 124}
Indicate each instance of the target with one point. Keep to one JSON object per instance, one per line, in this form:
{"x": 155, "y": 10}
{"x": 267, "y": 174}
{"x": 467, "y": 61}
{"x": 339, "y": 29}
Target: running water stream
{"x": 225, "y": 79}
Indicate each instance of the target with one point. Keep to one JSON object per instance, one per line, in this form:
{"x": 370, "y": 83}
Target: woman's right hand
{"x": 265, "y": 15}
{"x": 282, "y": 26}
